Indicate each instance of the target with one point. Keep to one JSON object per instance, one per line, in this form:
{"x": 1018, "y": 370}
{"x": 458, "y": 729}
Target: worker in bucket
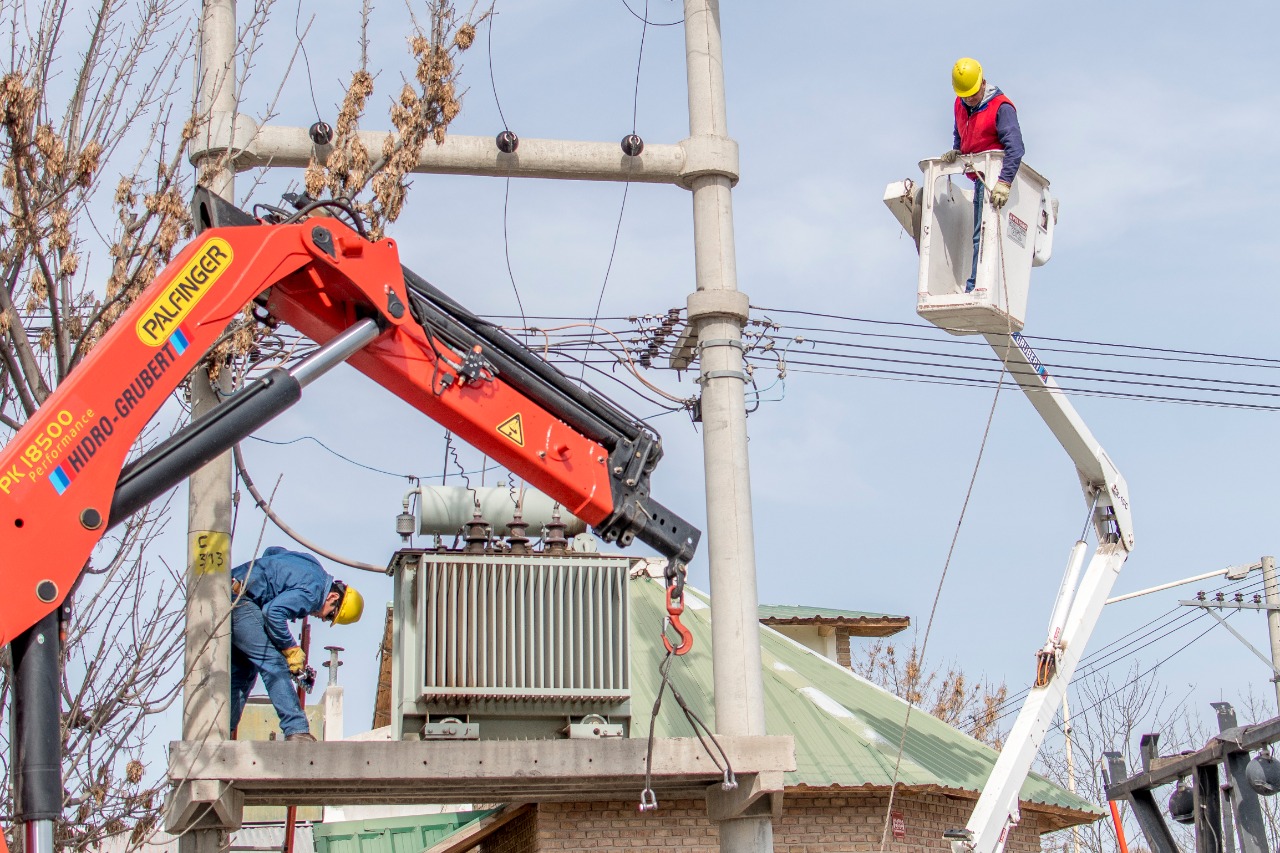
{"x": 268, "y": 592}
{"x": 985, "y": 120}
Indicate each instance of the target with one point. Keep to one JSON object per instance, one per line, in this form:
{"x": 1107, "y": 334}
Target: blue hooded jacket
{"x": 286, "y": 585}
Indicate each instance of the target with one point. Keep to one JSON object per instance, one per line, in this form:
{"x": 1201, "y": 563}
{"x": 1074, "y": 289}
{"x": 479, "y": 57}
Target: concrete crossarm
{"x": 1098, "y": 474}
{"x": 252, "y": 146}
{"x": 351, "y": 772}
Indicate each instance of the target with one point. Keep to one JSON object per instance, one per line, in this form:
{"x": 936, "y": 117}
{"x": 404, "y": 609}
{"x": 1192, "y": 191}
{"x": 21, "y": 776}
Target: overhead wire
{"x": 626, "y": 187}
{"x": 506, "y": 192}
{"x": 624, "y": 359}
{"x": 306, "y": 59}
{"x": 1104, "y": 658}
{"x": 348, "y": 459}
{"x": 1235, "y": 394}
{"x": 959, "y": 381}
{"x": 266, "y": 507}
{"x": 933, "y": 365}
{"x": 801, "y": 365}
{"x": 1057, "y": 366}
{"x": 1082, "y": 711}
{"x": 939, "y": 338}
{"x": 1264, "y": 361}
{"x": 946, "y": 565}
{"x": 1130, "y": 643}
{"x": 645, "y": 17}
{"x": 585, "y": 364}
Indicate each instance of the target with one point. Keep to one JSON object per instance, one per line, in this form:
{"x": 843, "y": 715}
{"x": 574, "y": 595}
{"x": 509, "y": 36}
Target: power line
{"x": 506, "y": 191}
{"x": 1118, "y": 649}
{"x": 355, "y": 462}
{"x": 645, "y": 16}
{"x": 982, "y": 383}
{"x": 626, "y": 187}
{"x": 1261, "y": 361}
{"x": 933, "y": 365}
{"x": 1057, "y": 367}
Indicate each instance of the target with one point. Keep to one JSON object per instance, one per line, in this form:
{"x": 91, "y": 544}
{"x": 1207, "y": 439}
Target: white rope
{"x": 1004, "y": 369}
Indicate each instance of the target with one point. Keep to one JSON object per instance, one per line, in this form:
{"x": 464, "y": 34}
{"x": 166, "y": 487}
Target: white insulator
{"x": 442, "y": 510}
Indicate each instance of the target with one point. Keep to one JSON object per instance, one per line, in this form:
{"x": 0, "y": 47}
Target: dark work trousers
{"x": 252, "y": 652}
{"x": 977, "y": 233}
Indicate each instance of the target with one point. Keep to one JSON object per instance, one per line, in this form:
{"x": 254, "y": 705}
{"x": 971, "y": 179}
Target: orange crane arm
{"x": 63, "y": 479}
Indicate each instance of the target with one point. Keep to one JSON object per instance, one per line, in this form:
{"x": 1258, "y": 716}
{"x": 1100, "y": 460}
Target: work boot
{"x": 307, "y": 736}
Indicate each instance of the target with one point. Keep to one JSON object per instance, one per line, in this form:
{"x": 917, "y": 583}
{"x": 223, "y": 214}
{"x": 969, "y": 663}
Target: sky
{"x": 1154, "y": 124}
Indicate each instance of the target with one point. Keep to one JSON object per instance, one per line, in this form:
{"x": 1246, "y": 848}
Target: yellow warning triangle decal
{"x": 513, "y": 429}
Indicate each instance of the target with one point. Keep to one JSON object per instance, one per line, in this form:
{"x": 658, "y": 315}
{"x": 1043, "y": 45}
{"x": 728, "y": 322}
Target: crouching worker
{"x": 268, "y": 592}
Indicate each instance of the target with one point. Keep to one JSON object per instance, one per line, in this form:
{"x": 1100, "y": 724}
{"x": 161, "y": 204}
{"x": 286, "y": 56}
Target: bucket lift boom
{"x": 939, "y": 216}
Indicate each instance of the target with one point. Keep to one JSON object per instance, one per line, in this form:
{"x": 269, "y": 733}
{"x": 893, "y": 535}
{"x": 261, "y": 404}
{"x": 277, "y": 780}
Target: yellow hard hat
{"x": 966, "y": 77}
{"x": 350, "y": 608}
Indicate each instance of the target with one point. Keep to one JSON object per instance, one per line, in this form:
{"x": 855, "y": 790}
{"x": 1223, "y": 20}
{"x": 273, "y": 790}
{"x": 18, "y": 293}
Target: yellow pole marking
{"x": 211, "y": 551}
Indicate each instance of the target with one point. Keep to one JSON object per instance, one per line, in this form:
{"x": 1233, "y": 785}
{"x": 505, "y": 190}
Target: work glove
{"x": 950, "y": 156}
{"x": 999, "y": 194}
{"x": 296, "y": 658}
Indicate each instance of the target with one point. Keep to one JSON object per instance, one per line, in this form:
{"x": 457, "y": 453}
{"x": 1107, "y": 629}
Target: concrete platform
{"x": 353, "y": 773}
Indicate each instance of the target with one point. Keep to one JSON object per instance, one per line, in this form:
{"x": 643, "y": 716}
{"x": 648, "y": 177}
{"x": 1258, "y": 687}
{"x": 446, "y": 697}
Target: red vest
{"x": 978, "y": 131}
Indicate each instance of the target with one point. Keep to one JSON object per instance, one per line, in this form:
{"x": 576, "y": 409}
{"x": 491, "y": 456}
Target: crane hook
{"x": 675, "y": 607}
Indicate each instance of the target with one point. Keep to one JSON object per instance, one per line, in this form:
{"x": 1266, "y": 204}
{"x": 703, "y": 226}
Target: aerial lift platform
{"x": 938, "y": 213}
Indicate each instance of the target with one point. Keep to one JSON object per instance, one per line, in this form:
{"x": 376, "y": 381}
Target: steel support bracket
{"x": 203, "y": 804}
{"x": 757, "y": 795}
{"x": 722, "y": 374}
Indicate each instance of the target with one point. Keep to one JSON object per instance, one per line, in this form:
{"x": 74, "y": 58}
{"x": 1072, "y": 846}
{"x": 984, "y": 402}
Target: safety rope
{"x": 648, "y": 798}
{"x": 1004, "y": 369}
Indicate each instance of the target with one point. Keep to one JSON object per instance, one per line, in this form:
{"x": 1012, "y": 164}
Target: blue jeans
{"x": 977, "y": 234}
{"x": 252, "y": 652}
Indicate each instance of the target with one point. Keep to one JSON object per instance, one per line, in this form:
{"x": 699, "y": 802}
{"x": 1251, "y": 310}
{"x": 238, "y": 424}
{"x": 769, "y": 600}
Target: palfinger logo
{"x": 188, "y": 287}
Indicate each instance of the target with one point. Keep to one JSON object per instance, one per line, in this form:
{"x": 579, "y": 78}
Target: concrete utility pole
{"x": 207, "y": 684}
{"x": 718, "y": 311}
{"x": 1071, "y": 768}
{"x": 1271, "y": 586}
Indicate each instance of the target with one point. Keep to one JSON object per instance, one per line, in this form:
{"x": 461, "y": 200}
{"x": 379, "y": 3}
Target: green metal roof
{"x": 846, "y": 729}
{"x": 391, "y": 835}
{"x": 796, "y": 611}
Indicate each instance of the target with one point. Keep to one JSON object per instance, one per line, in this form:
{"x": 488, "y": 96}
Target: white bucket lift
{"x": 1012, "y": 240}
{"x": 939, "y": 216}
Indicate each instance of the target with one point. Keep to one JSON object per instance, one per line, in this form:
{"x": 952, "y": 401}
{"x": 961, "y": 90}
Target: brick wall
{"x": 518, "y": 836}
{"x": 812, "y": 822}
{"x": 843, "y": 654}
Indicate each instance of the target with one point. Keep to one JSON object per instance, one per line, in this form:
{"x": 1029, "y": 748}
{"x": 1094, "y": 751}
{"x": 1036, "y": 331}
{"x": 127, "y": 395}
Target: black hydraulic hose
{"x": 591, "y": 414}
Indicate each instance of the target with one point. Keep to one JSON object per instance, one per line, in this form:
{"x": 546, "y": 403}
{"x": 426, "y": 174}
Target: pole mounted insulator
{"x": 632, "y": 145}
{"x": 321, "y": 133}
{"x": 516, "y": 537}
{"x": 507, "y": 142}
{"x": 476, "y": 534}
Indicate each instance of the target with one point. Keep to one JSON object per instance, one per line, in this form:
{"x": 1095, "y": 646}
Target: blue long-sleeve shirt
{"x": 286, "y": 585}
{"x": 1007, "y": 129}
